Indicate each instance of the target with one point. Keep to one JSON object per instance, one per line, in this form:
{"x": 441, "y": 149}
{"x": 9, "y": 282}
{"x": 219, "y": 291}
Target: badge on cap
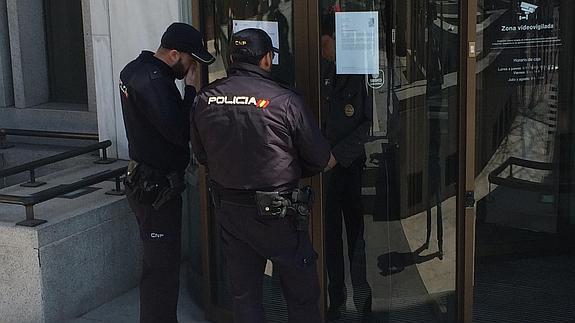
{"x": 349, "y": 110}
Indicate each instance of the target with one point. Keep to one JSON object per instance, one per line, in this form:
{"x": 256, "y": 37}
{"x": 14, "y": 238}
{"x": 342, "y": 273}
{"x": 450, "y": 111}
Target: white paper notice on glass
{"x": 357, "y": 42}
{"x": 270, "y": 27}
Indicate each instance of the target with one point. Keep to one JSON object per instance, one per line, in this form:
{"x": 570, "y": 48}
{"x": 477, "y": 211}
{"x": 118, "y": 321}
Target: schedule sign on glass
{"x": 357, "y": 42}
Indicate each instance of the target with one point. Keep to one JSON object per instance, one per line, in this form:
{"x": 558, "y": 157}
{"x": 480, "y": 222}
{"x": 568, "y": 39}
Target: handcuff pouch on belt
{"x": 148, "y": 185}
{"x": 297, "y": 204}
{"x": 272, "y": 204}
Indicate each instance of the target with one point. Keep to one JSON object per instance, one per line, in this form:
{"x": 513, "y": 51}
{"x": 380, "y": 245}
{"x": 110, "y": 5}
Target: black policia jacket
{"x": 253, "y": 133}
{"x": 155, "y": 115}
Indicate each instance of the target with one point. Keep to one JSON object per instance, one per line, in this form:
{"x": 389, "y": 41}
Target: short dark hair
{"x": 239, "y": 58}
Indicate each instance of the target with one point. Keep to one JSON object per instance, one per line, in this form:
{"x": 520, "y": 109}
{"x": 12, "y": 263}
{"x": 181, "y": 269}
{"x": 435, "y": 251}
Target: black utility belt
{"x": 149, "y": 185}
{"x": 245, "y": 198}
{"x": 269, "y": 203}
{"x": 296, "y": 203}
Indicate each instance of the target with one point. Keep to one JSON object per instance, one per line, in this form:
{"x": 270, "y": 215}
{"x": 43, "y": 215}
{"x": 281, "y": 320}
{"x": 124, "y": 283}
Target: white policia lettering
{"x": 244, "y": 100}
{"x": 156, "y": 235}
{"x": 238, "y": 100}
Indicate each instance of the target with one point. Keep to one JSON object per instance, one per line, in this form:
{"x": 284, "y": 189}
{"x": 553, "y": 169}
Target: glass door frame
{"x": 465, "y": 195}
{"x": 307, "y": 59}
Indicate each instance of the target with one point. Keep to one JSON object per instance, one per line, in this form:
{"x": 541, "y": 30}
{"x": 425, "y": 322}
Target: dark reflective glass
{"x": 524, "y": 158}
{"x": 390, "y": 205}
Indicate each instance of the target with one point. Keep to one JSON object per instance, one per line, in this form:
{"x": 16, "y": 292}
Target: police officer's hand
{"x": 331, "y": 163}
{"x": 191, "y": 75}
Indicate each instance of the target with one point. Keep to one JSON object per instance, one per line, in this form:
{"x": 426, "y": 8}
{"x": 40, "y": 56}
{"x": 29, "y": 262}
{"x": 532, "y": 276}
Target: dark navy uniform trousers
{"x": 161, "y": 236}
{"x": 343, "y": 198}
{"x": 249, "y": 240}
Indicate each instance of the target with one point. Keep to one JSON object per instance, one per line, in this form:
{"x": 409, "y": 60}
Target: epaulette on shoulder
{"x": 154, "y": 72}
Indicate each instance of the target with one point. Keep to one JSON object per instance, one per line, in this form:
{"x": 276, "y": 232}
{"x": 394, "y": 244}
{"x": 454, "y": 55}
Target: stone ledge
{"x": 88, "y": 253}
{"x": 49, "y": 119}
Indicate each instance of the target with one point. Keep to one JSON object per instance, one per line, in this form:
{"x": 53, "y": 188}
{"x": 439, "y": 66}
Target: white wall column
{"x": 6, "y": 90}
{"x": 120, "y": 31}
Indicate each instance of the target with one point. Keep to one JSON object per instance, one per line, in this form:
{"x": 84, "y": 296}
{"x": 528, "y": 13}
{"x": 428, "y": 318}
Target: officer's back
{"x": 257, "y": 139}
{"x": 254, "y": 133}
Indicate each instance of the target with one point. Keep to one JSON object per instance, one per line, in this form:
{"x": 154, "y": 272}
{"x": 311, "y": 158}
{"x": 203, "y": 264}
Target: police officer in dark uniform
{"x": 346, "y": 120}
{"x": 157, "y": 125}
{"x": 257, "y": 139}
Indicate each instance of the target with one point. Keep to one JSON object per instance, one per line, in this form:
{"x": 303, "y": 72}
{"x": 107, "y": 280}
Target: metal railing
{"x": 33, "y": 165}
{"x": 511, "y": 181}
{"x": 29, "y": 201}
{"x": 42, "y": 134}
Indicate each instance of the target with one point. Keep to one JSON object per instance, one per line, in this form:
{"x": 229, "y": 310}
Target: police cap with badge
{"x": 251, "y": 43}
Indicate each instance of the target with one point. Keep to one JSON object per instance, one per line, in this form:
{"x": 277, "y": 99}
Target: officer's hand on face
{"x": 191, "y": 75}
{"x": 331, "y": 163}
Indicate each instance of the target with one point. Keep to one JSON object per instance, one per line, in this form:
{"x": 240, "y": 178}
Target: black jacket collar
{"x": 248, "y": 69}
{"x": 148, "y": 57}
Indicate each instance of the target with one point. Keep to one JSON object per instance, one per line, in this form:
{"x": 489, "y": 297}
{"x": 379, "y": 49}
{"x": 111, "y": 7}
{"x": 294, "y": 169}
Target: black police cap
{"x": 251, "y": 42}
{"x": 185, "y": 38}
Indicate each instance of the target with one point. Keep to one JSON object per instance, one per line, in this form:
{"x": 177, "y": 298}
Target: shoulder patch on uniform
{"x": 124, "y": 89}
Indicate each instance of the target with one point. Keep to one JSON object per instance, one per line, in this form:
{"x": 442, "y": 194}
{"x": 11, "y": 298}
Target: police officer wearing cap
{"x": 257, "y": 139}
{"x": 346, "y": 120}
{"x": 156, "y": 118}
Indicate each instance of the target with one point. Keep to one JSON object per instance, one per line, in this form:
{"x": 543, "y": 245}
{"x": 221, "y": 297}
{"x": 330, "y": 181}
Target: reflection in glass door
{"x": 389, "y": 90}
{"x": 524, "y": 247}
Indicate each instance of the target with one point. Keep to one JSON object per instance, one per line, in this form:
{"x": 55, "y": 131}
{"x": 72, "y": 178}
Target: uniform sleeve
{"x": 313, "y": 149}
{"x": 165, "y": 109}
{"x": 189, "y": 97}
{"x": 351, "y": 147}
{"x": 197, "y": 146}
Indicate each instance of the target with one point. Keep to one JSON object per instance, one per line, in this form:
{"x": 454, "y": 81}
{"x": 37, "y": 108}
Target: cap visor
{"x": 203, "y": 56}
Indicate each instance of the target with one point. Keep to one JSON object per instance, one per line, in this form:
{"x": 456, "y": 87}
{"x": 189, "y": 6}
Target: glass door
{"x": 390, "y": 109}
{"x": 383, "y": 79}
{"x": 525, "y": 228}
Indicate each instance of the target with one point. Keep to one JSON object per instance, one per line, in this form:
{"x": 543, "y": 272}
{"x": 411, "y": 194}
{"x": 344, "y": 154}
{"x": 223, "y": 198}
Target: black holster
{"x": 176, "y": 185}
{"x": 297, "y": 204}
{"x": 147, "y": 185}
{"x": 302, "y": 202}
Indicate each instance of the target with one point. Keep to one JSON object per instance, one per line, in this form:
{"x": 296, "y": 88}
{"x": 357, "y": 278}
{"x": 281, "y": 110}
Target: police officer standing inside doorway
{"x": 346, "y": 120}
{"x": 257, "y": 139}
{"x": 157, "y": 125}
